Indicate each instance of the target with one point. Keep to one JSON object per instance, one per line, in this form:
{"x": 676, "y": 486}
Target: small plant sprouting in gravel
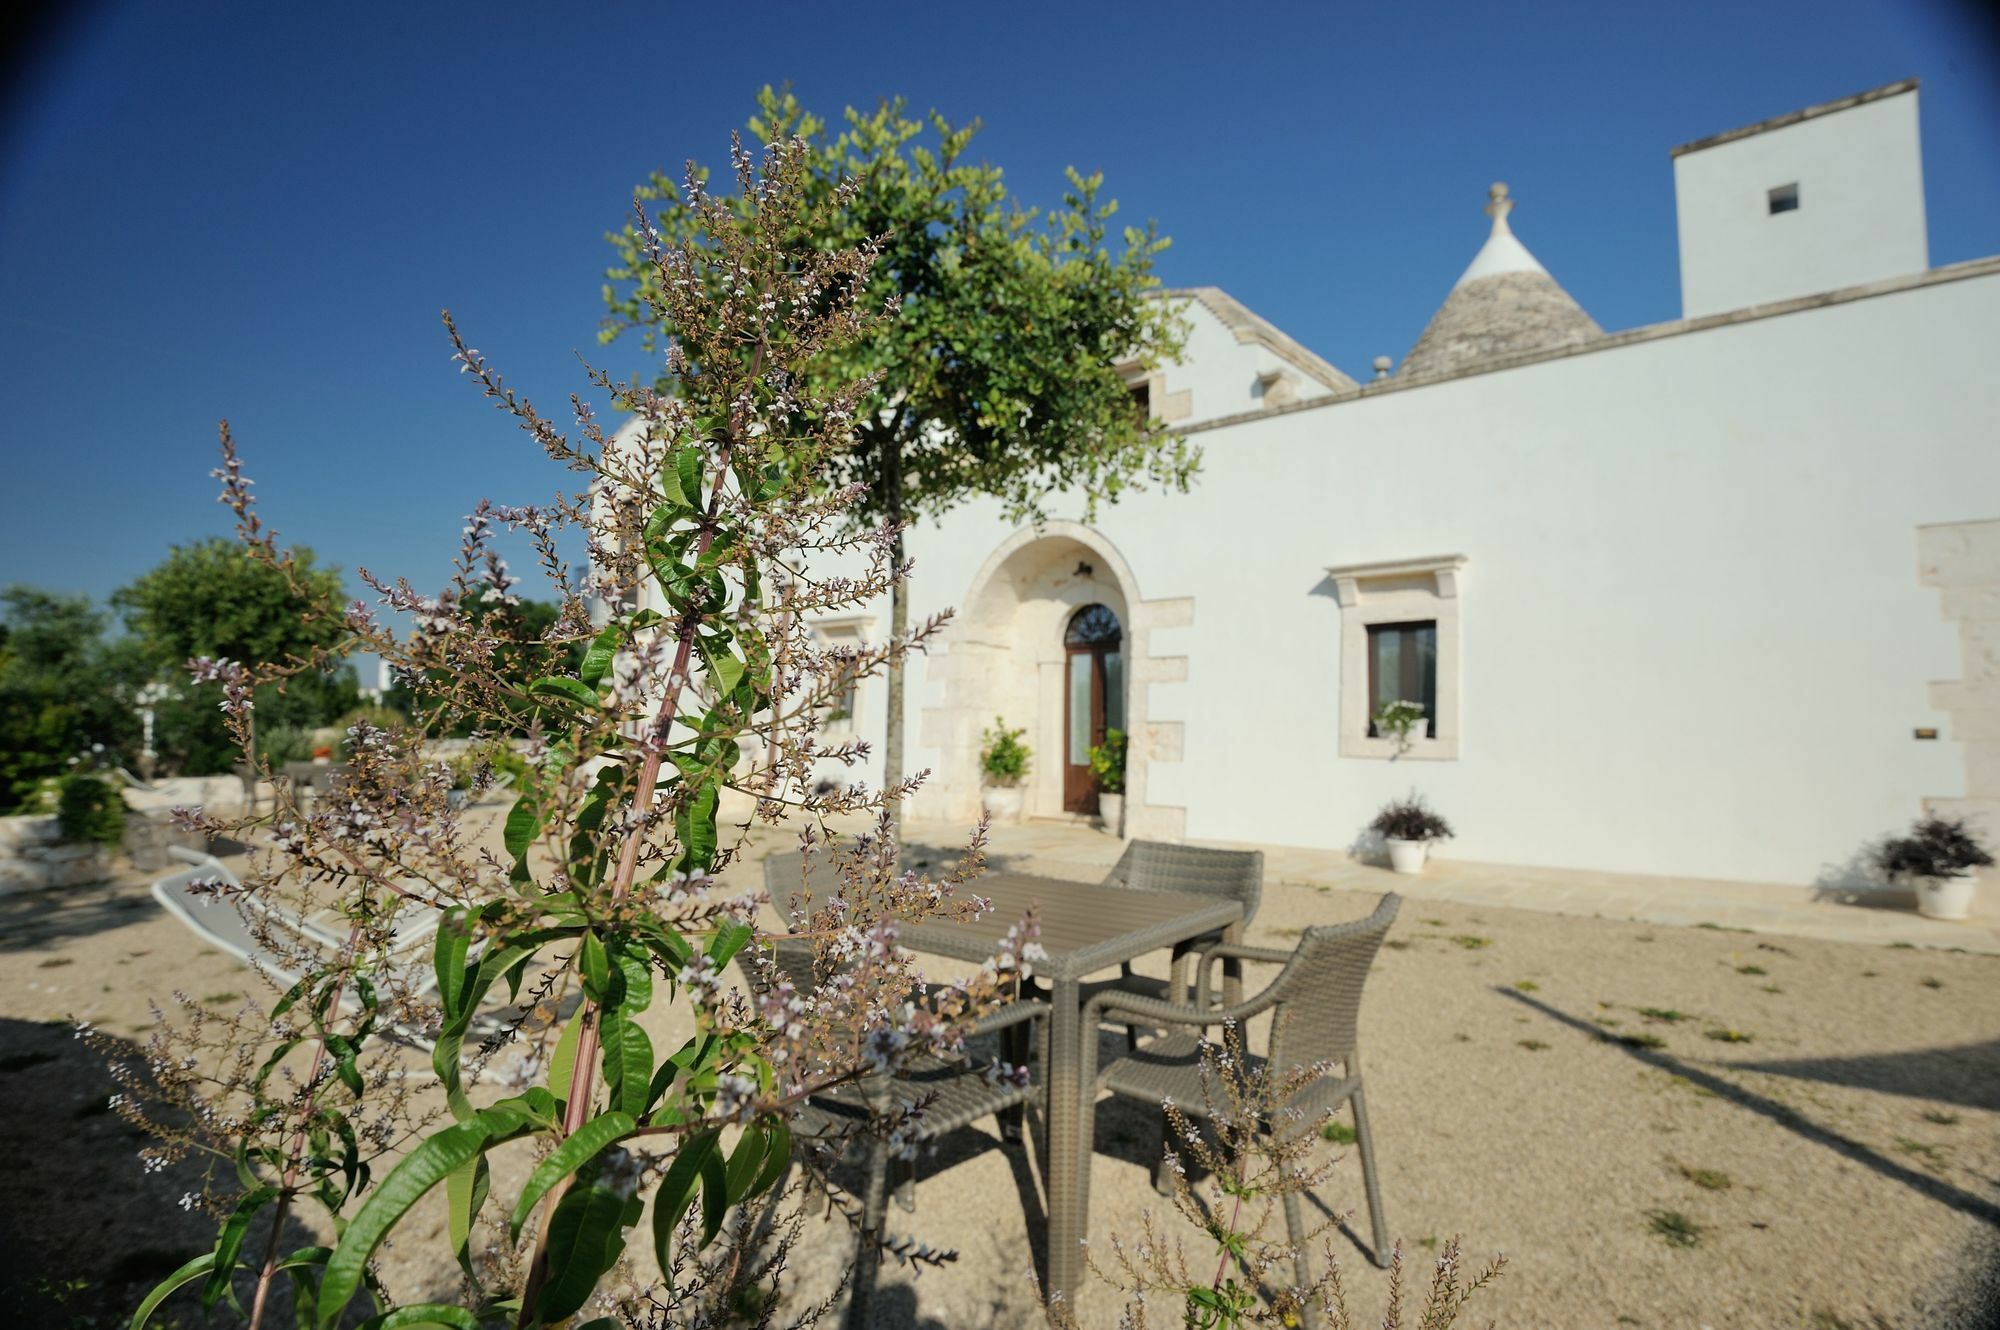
{"x": 1932, "y": 981}
{"x": 1435, "y": 923}
{"x": 1428, "y": 1244}
{"x": 1533, "y": 1045}
{"x": 1608, "y": 1022}
{"x": 1472, "y": 941}
{"x": 1526, "y": 985}
{"x": 1902, "y": 946}
{"x": 1675, "y": 1228}
{"x": 1721, "y": 928}
{"x": 1869, "y": 974}
{"x": 1940, "y": 1117}
{"x": 1667, "y": 1014}
{"x": 1927, "y": 1151}
{"x": 1724, "y": 1035}
{"x": 1642, "y": 1041}
{"x": 1769, "y": 988}
{"x": 1643, "y": 937}
{"x": 1337, "y": 1132}
{"x": 1751, "y": 969}
{"x": 1397, "y": 944}
{"x": 1708, "y": 1179}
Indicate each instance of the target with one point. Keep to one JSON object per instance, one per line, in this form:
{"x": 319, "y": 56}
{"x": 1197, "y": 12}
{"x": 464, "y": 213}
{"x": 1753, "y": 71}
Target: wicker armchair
{"x": 1151, "y": 865}
{"x": 1316, "y": 999}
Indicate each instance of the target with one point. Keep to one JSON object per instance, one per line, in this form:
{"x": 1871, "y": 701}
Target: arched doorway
{"x": 1093, "y": 698}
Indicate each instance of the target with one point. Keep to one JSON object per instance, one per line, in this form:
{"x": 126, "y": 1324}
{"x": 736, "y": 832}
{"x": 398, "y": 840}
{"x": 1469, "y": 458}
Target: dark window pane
{"x": 1402, "y": 667}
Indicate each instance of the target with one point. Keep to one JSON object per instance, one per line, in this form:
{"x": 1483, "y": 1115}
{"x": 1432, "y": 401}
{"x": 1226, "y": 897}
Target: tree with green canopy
{"x": 64, "y": 692}
{"x": 1022, "y": 334}
{"x": 210, "y": 598}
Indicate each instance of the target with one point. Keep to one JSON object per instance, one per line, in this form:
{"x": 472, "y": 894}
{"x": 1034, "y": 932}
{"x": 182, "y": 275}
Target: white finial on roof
{"x": 1502, "y": 252}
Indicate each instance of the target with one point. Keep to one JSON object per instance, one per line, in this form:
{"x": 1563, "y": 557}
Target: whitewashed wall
{"x": 1695, "y": 641}
{"x": 1860, "y": 216}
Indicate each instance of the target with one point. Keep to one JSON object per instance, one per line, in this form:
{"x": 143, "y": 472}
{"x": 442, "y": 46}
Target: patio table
{"x": 1085, "y": 928}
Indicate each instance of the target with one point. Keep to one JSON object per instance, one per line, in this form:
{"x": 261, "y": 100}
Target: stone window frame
{"x": 856, "y": 627}
{"x": 1398, "y": 591}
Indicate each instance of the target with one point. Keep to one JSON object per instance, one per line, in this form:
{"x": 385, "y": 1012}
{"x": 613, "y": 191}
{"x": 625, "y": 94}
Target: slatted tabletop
{"x": 1085, "y": 927}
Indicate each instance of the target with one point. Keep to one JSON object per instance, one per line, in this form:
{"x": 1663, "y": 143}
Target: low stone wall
{"x": 33, "y": 856}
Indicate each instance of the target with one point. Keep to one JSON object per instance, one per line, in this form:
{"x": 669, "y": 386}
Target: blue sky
{"x": 257, "y": 211}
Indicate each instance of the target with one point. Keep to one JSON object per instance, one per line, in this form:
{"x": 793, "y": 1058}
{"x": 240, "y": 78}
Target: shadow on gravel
{"x": 1968, "y": 1076}
{"x": 86, "y": 1229}
{"x": 1944, "y": 1193}
{"x": 32, "y": 920}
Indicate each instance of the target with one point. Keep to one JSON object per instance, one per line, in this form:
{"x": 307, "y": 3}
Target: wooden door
{"x": 1093, "y": 699}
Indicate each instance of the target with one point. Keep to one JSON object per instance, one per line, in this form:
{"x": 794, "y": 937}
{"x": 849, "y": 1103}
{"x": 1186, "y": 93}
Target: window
{"x": 1142, "y": 399}
{"x": 1399, "y": 642}
{"x": 1785, "y": 198}
{"x": 840, "y": 638}
{"x": 1402, "y": 667}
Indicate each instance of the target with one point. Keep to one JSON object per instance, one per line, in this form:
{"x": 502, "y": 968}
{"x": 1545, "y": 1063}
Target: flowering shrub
{"x": 605, "y": 899}
{"x": 1004, "y": 758}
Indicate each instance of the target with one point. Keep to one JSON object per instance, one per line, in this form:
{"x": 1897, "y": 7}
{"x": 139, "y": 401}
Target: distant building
{"x": 1717, "y": 597}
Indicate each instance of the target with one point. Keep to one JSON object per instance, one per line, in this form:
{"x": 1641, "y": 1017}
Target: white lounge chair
{"x": 223, "y": 924}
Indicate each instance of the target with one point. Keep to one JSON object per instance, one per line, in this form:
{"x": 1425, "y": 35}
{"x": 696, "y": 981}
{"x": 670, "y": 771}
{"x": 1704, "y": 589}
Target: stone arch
{"x": 1003, "y": 655}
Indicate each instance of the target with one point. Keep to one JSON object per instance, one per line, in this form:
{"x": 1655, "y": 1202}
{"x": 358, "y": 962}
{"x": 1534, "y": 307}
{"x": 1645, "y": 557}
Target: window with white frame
{"x": 1399, "y": 642}
{"x": 840, "y": 715}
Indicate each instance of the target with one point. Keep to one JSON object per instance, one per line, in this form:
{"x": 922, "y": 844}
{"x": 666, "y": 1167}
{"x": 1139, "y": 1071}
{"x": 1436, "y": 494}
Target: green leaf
{"x": 465, "y": 1192}
{"x": 234, "y": 1230}
{"x": 586, "y": 1236}
{"x": 714, "y": 1194}
{"x": 524, "y": 823}
{"x": 776, "y": 1156}
{"x": 566, "y": 1158}
{"x": 597, "y": 660}
{"x": 570, "y": 690}
{"x": 676, "y": 1191}
{"x": 723, "y": 669}
{"x": 418, "y": 1314}
{"x": 628, "y": 1061}
{"x": 426, "y": 1166}
{"x": 746, "y": 1162}
{"x": 728, "y": 940}
{"x": 165, "y": 1289}
{"x": 562, "y": 1062}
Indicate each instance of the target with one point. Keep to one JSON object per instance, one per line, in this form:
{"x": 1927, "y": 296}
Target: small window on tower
{"x": 1785, "y": 198}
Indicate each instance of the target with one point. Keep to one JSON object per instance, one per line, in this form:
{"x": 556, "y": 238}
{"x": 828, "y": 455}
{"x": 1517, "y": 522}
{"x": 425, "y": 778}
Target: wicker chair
{"x": 959, "y": 1095}
{"x": 1316, "y": 999}
{"x": 1151, "y": 865}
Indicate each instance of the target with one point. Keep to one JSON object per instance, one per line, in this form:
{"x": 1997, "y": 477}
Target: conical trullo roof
{"x": 1505, "y": 304}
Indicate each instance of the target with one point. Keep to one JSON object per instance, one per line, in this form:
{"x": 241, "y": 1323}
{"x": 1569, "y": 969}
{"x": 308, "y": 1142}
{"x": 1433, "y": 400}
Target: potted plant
{"x": 1003, "y": 761}
{"x": 1407, "y": 827}
{"x": 1107, "y": 764}
{"x": 1402, "y": 722}
{"x": 1941, "y": 860}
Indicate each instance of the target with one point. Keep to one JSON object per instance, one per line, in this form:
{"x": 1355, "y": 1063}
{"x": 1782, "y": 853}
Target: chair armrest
{"x": 1173, "y": 1013}
{"x": 1022, "y": 1009}
{"x": 1204, "y": 971}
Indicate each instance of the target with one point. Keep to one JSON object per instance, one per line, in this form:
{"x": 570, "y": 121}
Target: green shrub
{"x": 1004, "y": 759}
{"x": 89, "y": 809}
{"x": 1107, "y": 762}
{"x": 279, "y": 744}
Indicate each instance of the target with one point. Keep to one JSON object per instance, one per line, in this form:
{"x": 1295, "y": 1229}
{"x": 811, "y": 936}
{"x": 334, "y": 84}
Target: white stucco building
{"x": 1718, "y": 597}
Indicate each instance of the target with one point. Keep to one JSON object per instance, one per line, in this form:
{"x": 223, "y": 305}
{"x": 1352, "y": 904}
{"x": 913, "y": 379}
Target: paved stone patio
{"x": 1081, "y": 852}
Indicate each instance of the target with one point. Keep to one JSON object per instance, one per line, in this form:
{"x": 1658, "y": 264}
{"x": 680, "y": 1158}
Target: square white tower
{"x": 1820, "y": 199}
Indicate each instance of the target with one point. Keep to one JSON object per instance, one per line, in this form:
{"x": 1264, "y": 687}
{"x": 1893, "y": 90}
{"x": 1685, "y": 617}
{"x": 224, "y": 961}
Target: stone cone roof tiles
{"x": 1506, "y": 304}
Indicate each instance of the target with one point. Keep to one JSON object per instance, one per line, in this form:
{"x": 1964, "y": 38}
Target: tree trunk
{"x": 899, "y": 623}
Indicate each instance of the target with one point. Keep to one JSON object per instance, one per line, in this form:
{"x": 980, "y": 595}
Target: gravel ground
{"x": 1660, "y": 1127}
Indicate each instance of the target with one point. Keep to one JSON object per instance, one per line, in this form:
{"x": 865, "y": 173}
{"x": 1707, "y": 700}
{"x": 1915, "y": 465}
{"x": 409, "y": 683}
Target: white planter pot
{"x": 1946, "y": 897}
{"x": 1002, "y": 803}
{"x": 1111, "y": 808}
{"x": 1407, "y": 856}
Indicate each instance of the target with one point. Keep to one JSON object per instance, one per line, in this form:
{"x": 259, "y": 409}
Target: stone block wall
{"x": 1962, "y": 560}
